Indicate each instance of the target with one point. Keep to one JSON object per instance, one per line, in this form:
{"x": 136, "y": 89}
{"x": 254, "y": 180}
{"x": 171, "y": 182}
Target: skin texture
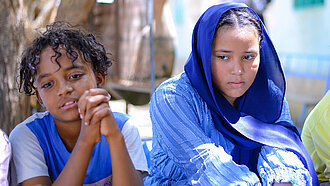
{"x": 73, "y": 94}
{"x": 235, "y": 59}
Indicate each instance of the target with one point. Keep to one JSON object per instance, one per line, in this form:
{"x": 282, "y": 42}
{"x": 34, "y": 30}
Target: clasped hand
{"x": 96, "y": 116}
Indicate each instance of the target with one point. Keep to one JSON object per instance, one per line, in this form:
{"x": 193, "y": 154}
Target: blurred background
{"x": 299, "y": 30}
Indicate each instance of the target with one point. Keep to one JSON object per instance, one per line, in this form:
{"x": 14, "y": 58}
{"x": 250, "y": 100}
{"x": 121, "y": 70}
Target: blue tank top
{"x": 56, "y": 154}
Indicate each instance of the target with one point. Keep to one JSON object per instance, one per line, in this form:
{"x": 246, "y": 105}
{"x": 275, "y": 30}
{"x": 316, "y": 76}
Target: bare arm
{"x": 75, "y": 169}
{"x": 40, "y": 181}
{"x": 123, "y": 170}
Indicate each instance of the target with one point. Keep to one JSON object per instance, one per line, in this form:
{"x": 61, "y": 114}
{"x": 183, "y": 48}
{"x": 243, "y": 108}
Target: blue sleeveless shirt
{"x": 56, "y": 154}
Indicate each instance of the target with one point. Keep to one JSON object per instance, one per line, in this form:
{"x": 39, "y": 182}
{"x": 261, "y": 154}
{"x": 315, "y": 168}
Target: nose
{"x": 65, "y": 88}
{"x": 238, "y": 68}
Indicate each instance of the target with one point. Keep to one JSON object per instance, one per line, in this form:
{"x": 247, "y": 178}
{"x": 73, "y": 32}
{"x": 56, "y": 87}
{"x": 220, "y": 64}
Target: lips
{"x": 68, "y": 103}
{"x": 236, "y": 84}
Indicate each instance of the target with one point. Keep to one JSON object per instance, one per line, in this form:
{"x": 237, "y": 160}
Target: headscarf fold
{"x": 254, "y": 122}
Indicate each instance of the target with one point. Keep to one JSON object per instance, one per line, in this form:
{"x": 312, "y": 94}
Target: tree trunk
{"x": 75, "y": 11}
{"x": 14, "y": 107}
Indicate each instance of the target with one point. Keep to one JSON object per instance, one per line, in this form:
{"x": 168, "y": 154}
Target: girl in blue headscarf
{"x": 224, "y": 120}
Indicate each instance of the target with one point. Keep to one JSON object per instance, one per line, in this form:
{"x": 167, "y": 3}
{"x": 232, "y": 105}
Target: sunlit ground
{"x": 140, "y": 113}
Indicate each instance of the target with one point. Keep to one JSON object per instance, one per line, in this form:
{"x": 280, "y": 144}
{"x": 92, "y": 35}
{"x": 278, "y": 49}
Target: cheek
{"x": 253, "y": 68}
{"x": 80, "y": 88}
{"x": 214, "y": 71}
{"x": 43, "y": 95}
{"x": 256, "y": 63}
{"x": 218, "y": 74}
{"x": 252, "y": 72}
{"x": 87, "y": 82}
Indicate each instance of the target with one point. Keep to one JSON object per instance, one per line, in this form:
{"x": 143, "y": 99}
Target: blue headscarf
{"x": 254, "y": 122}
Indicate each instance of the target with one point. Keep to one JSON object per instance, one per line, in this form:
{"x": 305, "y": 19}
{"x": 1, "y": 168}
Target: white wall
{"x": 304, "y": 30}
{"x": 185, "y": 15}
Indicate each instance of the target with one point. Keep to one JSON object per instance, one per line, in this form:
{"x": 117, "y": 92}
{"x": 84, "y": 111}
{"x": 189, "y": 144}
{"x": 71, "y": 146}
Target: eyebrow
{"x": 66, "y": 69}
{"x": 227, "y": 51}
{"x": 224, "y": 51}
{"x": 251, "y": 51}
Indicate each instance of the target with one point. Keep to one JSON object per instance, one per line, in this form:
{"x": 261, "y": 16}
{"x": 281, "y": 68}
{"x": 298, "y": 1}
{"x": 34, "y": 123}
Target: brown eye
{"x": 75, "y": 76}
{"x": 249, "y": 58}
{"x": 222, "y": 57}
{"x": 46, "y": 85}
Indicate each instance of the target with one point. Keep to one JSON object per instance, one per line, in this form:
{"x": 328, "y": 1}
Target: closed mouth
{"x": 236, "y": 84}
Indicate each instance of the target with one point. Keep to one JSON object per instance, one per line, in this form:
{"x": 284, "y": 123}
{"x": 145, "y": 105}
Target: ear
{"x": 39, "y": 99}
{"x": 100, "y": 80}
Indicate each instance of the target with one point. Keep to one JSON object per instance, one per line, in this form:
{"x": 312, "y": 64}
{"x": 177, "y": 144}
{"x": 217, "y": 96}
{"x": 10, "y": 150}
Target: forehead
{"x": 238, "y": 30}
{"x": 231, "y": 35}
{"x": 51, "y": 61}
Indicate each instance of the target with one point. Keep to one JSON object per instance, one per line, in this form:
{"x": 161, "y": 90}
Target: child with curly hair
{"x": 78, "y": 140}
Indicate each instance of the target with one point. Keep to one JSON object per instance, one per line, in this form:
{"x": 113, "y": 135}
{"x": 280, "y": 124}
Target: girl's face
{"x": 234, "y": 60}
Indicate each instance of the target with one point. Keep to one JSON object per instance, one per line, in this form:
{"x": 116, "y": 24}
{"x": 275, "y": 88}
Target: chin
{"x": 67, "y": 119}
{"x": 237, "y": 95}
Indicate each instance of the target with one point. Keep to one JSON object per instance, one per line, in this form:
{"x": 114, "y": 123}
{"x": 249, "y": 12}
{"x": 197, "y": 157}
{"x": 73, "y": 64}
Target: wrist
{"x": 85, "y": 143}
{"x": 109, "y": 128}
{"x": 115, "y": 138}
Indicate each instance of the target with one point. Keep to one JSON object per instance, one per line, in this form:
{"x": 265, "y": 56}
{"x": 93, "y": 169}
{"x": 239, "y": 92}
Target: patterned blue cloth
{"x": 189, "y": 150}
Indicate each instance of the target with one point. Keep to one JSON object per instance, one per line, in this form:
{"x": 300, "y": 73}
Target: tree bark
{"x": 14, "y": 107}
{"x": 75, "y": 11}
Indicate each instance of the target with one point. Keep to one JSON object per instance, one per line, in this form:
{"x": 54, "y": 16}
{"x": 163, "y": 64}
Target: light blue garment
{"x": 189, "y": 150}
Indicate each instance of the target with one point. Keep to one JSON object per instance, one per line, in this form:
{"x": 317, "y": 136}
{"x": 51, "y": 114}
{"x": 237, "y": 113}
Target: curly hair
{"x": 72, "y": 39}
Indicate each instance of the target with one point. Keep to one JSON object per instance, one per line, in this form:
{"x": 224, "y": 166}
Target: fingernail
{"x": 81, "y": 116}
{"x": 79, "y": 110}
{"x": 86, "y": 123}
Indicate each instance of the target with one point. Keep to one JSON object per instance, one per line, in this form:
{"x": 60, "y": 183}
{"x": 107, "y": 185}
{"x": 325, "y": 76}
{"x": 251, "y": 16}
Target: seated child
{"x": 224, "y": 120}
{"x": 316, "y": 138}
{"x": 78, "y": 140}
{"x": 5, "y": 150}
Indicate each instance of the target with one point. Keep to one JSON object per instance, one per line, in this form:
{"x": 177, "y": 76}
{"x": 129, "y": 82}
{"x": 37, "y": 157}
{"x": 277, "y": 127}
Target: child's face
{"x": 59, "y": 88}
{"x": 234, "y": 60}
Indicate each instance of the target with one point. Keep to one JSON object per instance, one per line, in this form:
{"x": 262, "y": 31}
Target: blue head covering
{"x": 254, "y": 122}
